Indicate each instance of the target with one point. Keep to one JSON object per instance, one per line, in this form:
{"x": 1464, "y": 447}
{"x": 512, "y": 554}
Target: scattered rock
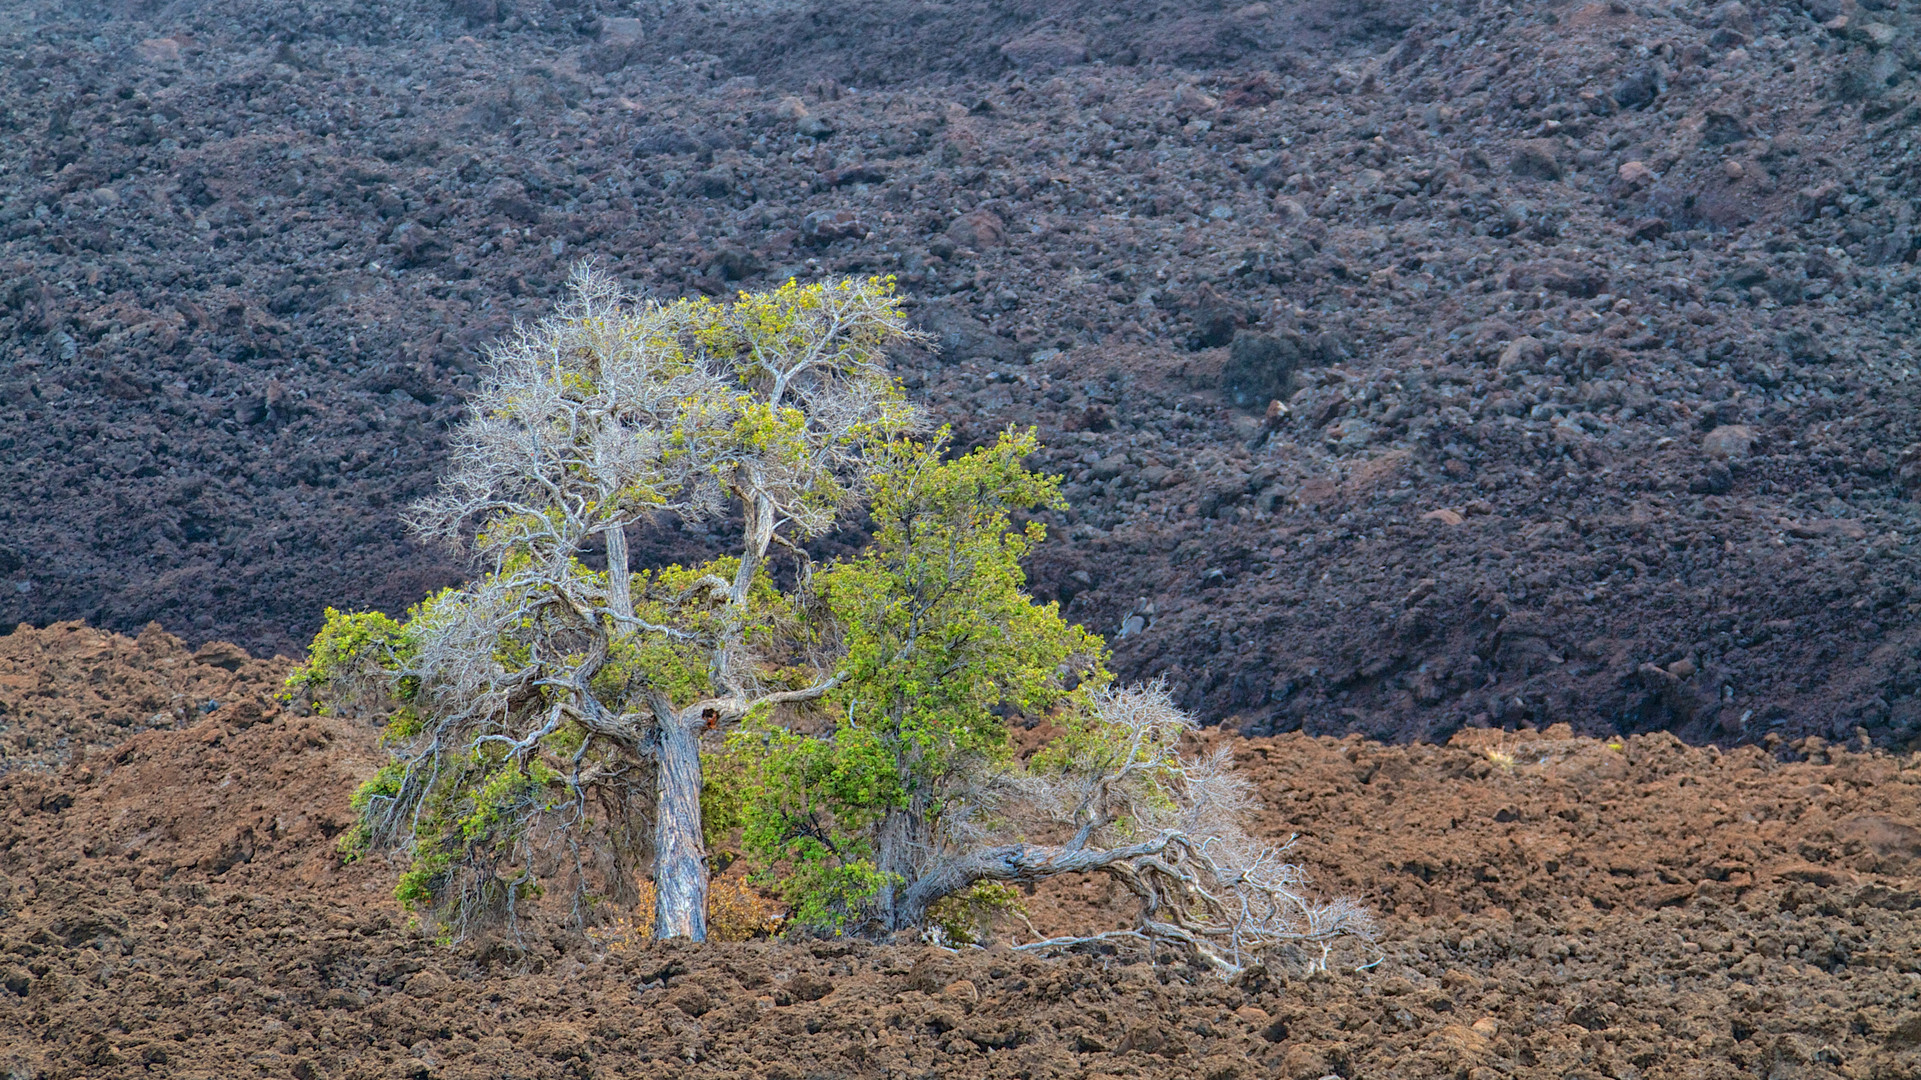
{"x": 1046, "y": 50}
{"x": 1139, "y": 266}
{"x": 1729, "y": 442}
{"x": 977, "y": 230}
{"x": 1714, "y": 479}
{"x": 1537, "y": 159}
{"x": 1704, "y": 905}
{"x": 828, "y": 226}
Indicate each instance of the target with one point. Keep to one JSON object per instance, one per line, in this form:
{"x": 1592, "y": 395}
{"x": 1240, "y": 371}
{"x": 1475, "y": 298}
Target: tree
{"x": 859, "y": 711}
{"x": 913, "y": 798}
{"x": 543, "y": 691}
{"x": 940, "y": 642}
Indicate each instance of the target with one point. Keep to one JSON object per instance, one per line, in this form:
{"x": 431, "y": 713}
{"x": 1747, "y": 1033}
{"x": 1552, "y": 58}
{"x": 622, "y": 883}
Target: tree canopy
{"x": 847, "y": 721}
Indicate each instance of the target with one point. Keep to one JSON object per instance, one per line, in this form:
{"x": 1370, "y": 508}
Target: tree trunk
{"x": 680, "y": 858}
{"x": 1017, "y": 863}
{"x": 757, "y": 519}
{"x": 620, "y": 592}
{"x": 894, "y": 857}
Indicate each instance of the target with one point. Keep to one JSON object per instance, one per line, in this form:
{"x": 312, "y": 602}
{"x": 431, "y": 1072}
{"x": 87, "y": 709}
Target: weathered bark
{"x": 901, "y": 843}
{"x": 757, "y": 514}
{"x": 680, "y": 859}
{"x": 894, "y": 857}
{"x": 1020, "y": 863}
{"x": 620, "y": 590}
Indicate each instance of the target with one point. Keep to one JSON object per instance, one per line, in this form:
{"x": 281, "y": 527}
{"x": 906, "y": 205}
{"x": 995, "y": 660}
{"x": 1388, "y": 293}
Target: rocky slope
{"x": 1552, "y": 906}
{"x": 1591, "y": 324}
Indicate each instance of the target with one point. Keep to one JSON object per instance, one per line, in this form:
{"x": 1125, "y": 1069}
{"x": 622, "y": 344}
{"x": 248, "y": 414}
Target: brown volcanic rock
{"x": 248, "y": 279}
{"x": 70, "y": 689}
{"x": 173, "y": 906}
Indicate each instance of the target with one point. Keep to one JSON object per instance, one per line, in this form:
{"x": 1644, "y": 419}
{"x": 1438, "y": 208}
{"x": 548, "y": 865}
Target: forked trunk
{"x": 680, "y": 865}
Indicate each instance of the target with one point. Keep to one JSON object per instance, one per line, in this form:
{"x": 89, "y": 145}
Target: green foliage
{"x": 345, "y": 647}
{"x": 680, "y": 667}
{"x": 966, "y": 918}
{"x": 423, "y": 879}
{"x": 533, "y": 695}
{"x": 808, "y": 808}
{"x": 475, "y": 818}
{"x": 943, "y": 643}
{"x": 723, "y": 803}
{"x": 941, "y": 631}
{"x": 384, "y": 786}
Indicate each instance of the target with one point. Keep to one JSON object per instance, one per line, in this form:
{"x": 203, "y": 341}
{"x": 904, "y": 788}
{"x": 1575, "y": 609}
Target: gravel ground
{"x": 171, "y": 905}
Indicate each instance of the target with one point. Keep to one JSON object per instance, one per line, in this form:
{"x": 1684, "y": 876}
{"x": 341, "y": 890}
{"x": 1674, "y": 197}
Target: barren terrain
{"x": 1497, "y": 418}
{"x": 171, "y": 906}
{"x": 1592, "y": 322}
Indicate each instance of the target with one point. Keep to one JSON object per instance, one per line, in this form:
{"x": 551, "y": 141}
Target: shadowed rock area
{"x": 1591, "y": 324}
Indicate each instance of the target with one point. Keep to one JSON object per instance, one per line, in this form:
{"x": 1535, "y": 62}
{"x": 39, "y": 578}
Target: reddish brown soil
{"x": 1550, "y": 906}
{"x": 1529, "y": 257}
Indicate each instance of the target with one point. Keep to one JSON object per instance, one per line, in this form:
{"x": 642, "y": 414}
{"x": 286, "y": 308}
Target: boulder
{"x": 1578, "y": 280}
{"x": 977, "y": 230}
{"x": 1260, "y": 367}
{"x": 1111, "y": 466}
{"x": 416, "y": 244}
{"x": 827, "y": 226}
{"x": 620, "y": 44}
{"x": 1729, "y": 442}
{"x": 1537, "y": 158}
{"x": 222, "y": 654}
{"x": 959, "y": 336}
{"x": 1715, "y": 478}
{"x": 1523, "y": 354}
{"x": 1639, "y": 88}
{"x": 1636, "y": 175}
